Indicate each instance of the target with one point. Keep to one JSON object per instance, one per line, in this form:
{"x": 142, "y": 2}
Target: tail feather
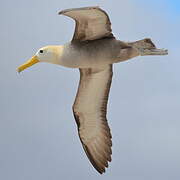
{"x": 146, "y": 47}
{"x": 143, "y": 44}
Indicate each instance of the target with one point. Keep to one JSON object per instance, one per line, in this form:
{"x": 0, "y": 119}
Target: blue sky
{"x": 169, "y": 6}
{"x": 175, "y": 4}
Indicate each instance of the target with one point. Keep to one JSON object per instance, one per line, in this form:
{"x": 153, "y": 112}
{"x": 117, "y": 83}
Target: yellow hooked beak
{"x": 27, "y": 64}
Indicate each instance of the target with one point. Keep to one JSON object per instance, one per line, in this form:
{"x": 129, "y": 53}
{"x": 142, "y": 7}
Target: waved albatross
{"x": 93, "y": 50}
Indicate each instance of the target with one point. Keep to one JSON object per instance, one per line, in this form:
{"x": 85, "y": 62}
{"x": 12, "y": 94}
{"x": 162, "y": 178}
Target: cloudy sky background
{"x": 38, "y": 136}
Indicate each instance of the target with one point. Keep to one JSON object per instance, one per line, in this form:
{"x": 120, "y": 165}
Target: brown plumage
{"x": 93, "y": 128}
{"x": 92, "y": 23}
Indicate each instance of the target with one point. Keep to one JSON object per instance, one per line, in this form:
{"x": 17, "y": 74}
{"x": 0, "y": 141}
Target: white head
{"x": 49, "y": 54}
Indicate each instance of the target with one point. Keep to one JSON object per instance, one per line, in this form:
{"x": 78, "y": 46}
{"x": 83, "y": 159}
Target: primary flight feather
{"x": 93, "y": 50}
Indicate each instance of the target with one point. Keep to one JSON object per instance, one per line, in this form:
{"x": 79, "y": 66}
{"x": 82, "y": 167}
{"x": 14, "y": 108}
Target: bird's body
{"x": 93, "y": 54}
{"x": 93, "y": 50}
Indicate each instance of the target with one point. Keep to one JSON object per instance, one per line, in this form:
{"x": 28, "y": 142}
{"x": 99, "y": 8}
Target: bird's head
{"x": 48, "y": 54}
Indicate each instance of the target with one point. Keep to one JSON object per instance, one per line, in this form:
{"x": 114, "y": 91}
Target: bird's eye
{"x": 41, "y": 51}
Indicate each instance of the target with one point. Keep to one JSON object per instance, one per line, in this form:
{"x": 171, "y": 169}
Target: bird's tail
{"x": 147, "y": 47}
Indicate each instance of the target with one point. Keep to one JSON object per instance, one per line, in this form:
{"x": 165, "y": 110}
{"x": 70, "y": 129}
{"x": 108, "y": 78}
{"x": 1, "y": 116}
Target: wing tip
{"x": 60, "y": 12}
{"x": 99, "y": 168}
{"x": 75, "y": 9}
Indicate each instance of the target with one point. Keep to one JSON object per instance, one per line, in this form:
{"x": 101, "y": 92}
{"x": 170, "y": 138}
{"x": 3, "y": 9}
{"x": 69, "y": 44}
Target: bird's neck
{"x": 58, "y": 53}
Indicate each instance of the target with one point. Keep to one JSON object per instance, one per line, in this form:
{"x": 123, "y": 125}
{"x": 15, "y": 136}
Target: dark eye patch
{"x": 41, "y": 51}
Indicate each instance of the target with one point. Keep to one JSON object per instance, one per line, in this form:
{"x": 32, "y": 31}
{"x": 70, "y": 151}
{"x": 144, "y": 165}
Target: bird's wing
{"x": 91, "y": 23}
{"x": 90, "y": 114}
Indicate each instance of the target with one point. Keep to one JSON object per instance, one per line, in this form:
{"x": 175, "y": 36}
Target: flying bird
{"x": 93, "y": 49}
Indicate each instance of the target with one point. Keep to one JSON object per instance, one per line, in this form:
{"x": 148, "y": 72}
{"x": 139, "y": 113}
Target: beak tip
{"x": 18, "y": 70}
